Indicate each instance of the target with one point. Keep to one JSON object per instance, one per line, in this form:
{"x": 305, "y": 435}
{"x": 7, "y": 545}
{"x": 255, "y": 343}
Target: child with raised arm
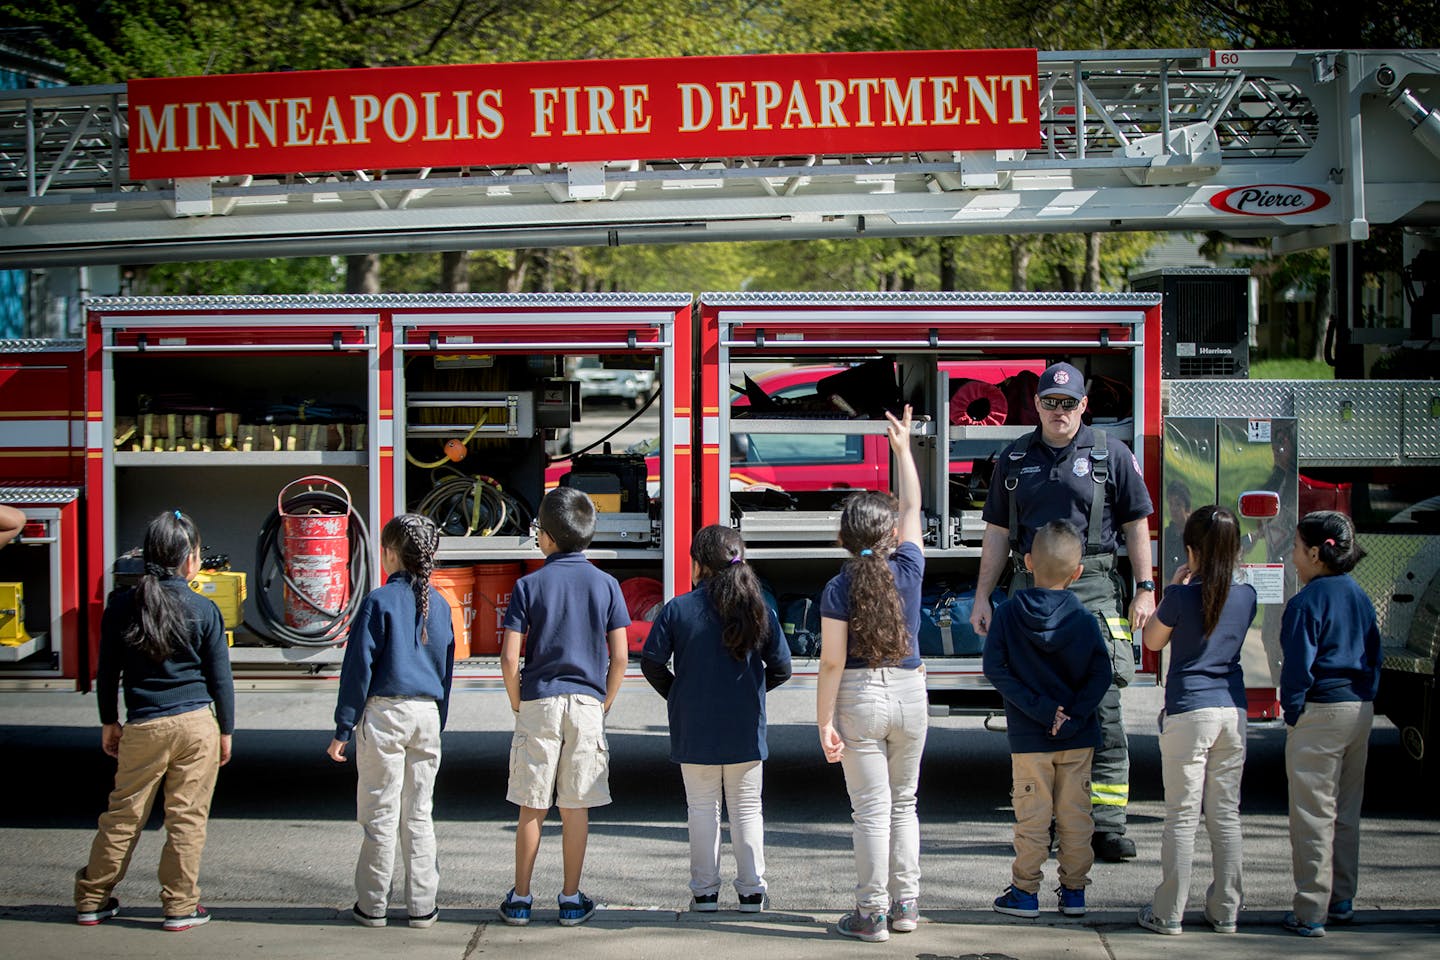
{"x": 1202, "y": 618}
{"x": 165, "y": 645}
{"x": 1045, "y": 655}
{"x": 394, "y": 697}
{"x": 1330, "y": 674}
{"x": 728, "y": 650}
{"x": 871, "y": 707}
{"x": 570, "y": 619}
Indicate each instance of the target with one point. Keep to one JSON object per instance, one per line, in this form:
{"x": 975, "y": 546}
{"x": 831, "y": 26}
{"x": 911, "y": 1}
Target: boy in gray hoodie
{"x": 1045, "y": 655}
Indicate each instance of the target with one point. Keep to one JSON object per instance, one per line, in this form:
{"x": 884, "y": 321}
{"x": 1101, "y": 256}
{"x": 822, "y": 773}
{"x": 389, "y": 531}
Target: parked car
{"x": 598, "y": 381}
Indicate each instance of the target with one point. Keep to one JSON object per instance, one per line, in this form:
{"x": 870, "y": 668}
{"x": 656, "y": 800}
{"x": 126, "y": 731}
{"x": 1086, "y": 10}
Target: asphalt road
{"x": 282, "y": 830}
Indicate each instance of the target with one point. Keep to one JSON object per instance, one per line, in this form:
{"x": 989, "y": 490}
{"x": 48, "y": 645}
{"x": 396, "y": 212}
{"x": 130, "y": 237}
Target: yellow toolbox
{"x": 227, "y": 589}
{"x": 12, "y": 615}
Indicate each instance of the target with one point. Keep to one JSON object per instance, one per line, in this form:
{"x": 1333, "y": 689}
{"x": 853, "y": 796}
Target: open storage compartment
{"x": 213, "y": 406}
{"x": 781, "y": 450}
{"x": 483, "y": 385}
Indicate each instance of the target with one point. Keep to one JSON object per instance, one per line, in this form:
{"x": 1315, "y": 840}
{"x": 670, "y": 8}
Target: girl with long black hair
{"x": 728, "y": 651}
{"x": 1203, "y": 619}
{"x": 165, "y": 645}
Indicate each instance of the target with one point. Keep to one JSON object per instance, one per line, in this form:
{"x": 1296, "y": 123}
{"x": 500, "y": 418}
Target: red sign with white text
{"x": 577, "y": 111}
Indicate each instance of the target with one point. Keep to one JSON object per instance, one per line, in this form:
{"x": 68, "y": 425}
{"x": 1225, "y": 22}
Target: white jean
{"x": 397, "y": 753}
{"x": 882, "y": 716}
{"x": 739, "y": 786}
{"x": 1202, "y": 757}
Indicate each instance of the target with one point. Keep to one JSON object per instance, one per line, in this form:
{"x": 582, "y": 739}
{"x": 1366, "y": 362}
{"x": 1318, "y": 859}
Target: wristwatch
{"x": 1144, "y": 585}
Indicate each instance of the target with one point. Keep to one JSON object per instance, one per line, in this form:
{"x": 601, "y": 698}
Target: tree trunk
{"x": 1066, "y": 274}
{"x": 1091, "y": 283}
{"x": 949, "y": 272}
{"x": 1323, "y": 311}
{"x": 362, "y": 273}
{"x": 519, "y": 268}
{"x": 455, "y": 271}
{"x": 1020, "y": 253}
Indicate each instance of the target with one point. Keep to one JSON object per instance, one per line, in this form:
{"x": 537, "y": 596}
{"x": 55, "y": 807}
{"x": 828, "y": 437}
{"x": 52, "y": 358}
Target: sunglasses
{"x": 1059, "y": 403}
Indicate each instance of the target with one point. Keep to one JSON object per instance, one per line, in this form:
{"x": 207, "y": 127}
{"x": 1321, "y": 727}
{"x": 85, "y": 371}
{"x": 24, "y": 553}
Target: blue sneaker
{"x": 574, "y": 914}
{"x": 1018, "y": 903}
{"x": 1072, "y": 901}
{"x": 1341, "y": 911}
{"x": 514, "y": 912}
{"x": 1297, "y": 926}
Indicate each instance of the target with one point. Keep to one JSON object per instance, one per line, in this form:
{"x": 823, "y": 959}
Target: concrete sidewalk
{"x": 280, "y": 932}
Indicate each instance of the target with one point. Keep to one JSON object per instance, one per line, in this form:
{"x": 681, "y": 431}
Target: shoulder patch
{"x": 1136, "y": 464}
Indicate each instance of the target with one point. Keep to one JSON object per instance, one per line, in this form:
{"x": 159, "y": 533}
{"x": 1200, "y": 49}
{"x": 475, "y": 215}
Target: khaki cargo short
{"x": 559, "y": 754}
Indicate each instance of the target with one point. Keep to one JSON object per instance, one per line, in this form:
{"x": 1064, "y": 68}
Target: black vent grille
{"x": 1210, "y": 312}
{"x": 1205, "y": 368}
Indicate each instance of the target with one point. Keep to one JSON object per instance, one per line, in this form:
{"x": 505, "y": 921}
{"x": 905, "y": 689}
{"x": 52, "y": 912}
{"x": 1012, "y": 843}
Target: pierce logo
{"x": 1270, "y": 200}
{"x": 1061, "y": 376}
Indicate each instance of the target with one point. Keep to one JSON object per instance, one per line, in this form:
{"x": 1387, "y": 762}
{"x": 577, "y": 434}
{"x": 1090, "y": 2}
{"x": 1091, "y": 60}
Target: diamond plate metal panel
{"x": 37, "y": 345}
{"x": 1350, "y": 420}
{"x": 928, "y": 299}
{"x": 391, "y": 301}
{"x": 1395, "y": 574}
{"x": 1227, "y": 398}
{"x": 46, "y": 495}
{"x": 1422, "y": 420}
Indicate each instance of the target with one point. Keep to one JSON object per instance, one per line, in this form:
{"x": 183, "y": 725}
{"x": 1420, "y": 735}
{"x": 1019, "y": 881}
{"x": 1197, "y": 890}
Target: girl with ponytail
{"x": 1203, "y": 618}
{"x": 394, "y": 696}
{"x": 165, "y": 644}
{"x": 728, "y": 651}
{"x": 871, "y": 706}
{"x": 1331, "y": 670}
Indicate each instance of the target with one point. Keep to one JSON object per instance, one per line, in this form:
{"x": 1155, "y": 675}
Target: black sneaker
{"x": 88, "y": 918}
{"x": 186, "y": 921}
{"x": 752, "y": 902}
{"x": 705, "y": 903}
{"x": 514, "y": 911}
{"x": 364, "y": 919}
{"x": 1113, "y": 847}
{"x": 574, "y": 914}
{"x": 426, "y": 921}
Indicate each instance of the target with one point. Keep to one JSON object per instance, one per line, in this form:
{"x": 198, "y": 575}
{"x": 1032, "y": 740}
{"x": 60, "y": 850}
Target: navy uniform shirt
{"x": 1205, "y": 669}
{"x": 1056, "y": 484}
{"x": 565, "y": 609}
{"x": 385, "y": 658}
{"x": 717, "y": 703}
{"x": 907, "y": 565}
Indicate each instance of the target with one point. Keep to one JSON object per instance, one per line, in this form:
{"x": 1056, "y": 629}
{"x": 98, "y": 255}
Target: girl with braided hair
{"x": 394, "y": 697}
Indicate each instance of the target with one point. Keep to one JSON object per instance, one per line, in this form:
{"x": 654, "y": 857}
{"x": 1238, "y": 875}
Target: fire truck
{"x": 223, "y": 403}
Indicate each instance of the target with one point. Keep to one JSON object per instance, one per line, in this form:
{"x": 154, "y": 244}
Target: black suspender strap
{"x": 1099, "y": 472}
{"x": 1018, "y": 452}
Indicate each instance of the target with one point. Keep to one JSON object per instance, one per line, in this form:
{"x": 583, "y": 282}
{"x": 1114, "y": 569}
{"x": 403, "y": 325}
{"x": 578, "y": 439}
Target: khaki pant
{"x": 739, "y": 786}
{"x": 397, "y": 754}
{"x": 1325, "y": 755}
{"x": 559, "y": 755}
{"x": 1048, "y": 786}
{"x": 1202, "y": 756}
{"x": 183, "y": 752}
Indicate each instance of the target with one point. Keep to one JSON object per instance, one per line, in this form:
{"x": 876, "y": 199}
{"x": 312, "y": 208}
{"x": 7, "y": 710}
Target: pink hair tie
{"x": 1330, "y": 542}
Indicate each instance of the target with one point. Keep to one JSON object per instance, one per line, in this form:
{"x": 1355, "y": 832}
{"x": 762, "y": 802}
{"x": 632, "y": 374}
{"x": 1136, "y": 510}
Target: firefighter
{"x": 1066, "y": 470}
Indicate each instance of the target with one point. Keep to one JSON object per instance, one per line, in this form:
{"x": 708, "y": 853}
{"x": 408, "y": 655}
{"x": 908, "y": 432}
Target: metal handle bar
{"x": 239, "y": 348}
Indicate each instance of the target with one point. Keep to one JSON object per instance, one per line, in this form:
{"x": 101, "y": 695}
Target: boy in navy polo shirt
{"x": 1045, "y": 655}
{"x": 570, "y": 619}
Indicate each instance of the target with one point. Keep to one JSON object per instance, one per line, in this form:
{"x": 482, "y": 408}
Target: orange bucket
{"x": 457, "y": 585}
{"x": 494, "y": 582}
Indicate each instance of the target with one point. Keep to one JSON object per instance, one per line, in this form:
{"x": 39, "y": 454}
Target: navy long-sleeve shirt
{"x": 385, "y": 658}
{"x": 195, "y": 675}
{"x": 1044, "y": 652}
{"x": 1330, "y": 644}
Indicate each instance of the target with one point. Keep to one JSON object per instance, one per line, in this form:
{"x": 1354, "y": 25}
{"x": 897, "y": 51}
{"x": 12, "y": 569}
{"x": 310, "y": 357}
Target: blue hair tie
{"x": 866, "y": 552}
{"x": 177, "y": 515}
